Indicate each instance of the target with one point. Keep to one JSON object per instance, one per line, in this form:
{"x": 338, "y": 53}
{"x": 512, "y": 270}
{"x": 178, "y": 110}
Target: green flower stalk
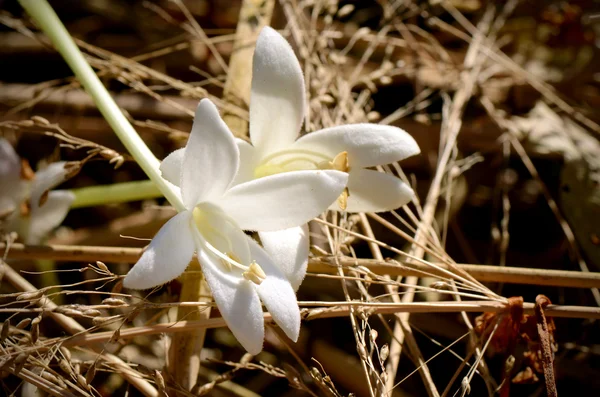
{"x": 45, "y": 17}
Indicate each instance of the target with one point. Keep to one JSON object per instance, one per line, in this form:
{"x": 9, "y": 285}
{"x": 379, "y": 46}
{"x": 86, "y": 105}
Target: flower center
{"x": 301, "y": 159}
{"x": 219, "y": 232}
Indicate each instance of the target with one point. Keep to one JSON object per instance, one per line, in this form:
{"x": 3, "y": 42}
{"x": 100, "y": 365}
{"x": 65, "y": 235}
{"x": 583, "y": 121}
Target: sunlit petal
{"x": 51, "y": 176}
{"x": 247, "y": 162}
{"x": 373, "y": 191}
{"x": 367, "y": 144}
{"x": 167, "y": 256}
{"x": 277, "y": 103}
{"x": 277, "y": 294}
{"x": 42, "y": 220}
{"x": 211, "y": 157}
{"x": 170, "y": 167}
{"x": 284, "y": 200}
{"x": 289, "y": 250}
{"x": 237, "y": 300}
{"x": 10, "y": 170}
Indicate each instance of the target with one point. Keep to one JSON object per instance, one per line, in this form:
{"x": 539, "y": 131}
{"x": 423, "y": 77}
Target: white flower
{"x": 277, "y": 110}
{"x": 26, "y": 204}
{"x": 239, "y": 272}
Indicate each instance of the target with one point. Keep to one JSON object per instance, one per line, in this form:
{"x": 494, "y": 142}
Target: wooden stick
{"x": 253, "y": 17}
{"x": 484, "y": 273}
{"x": 341, "y": 309}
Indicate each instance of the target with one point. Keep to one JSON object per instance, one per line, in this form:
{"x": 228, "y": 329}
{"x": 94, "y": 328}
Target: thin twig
{"x": 484, "y": 273}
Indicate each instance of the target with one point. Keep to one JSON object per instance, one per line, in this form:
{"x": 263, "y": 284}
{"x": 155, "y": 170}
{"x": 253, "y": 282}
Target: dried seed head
{"x": 102, "y": 266}
{"x": 316, "y": 374}
{"x": 66, "y": 367}
{"x": 100, "y": 320}
{"x": 65, "y": 352}
{"x": 40, "y": 120}
{"x": 20, "y": 361}
{"x": 23, "y": 323}
{"x": 35, "y": 329}
{"x": 441, "y": 285}
{"x": 373, "y": 334}
{"x": 5, "y": 330}
{"x": 345, "y": 10}
{"x": 384, "y": 352}
{"x": 49, "y": 377}
{"x": 92, "y": 312}
{"x": 114, "y": 302}
{"x": 362, "y": 352}
{"x": 91, "y": 373}
{"x": 25, "y": 296}
{"x": 82, "y": 382}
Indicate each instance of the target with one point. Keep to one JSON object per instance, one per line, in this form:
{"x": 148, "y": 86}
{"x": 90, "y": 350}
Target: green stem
{"x": 45, "y": 17}
{"x": 115, "y": 193}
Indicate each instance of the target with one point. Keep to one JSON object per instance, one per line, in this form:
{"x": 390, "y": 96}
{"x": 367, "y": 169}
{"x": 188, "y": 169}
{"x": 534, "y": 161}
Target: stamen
{"x": 226, "y": 258}
{"x": 342, "y": 199}
{"x": 255, "y": 273}
{"x": 339, "y": 163}
{"x": 284, "y": 160}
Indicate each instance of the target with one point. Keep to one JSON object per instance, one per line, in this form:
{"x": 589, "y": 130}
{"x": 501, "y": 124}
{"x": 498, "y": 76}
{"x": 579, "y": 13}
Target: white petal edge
{"x": 47, "y": 217}
{"x": 247, "y": 162}
{"x": 167, "y": 256}
{"x": 211, "y": 157}
{"x": 51, "y": 176}
{"x": 277, "y": 294}
{"x": 277, "y": 99}
{"x": 10, "y": 165}
{"x": 373, "y": 191}
{"x": 170, "y": 167}
{"x": 367, "y": 145}
{"x": 238, "y": 302}
{"x": 289, "y": 250}
{"x": 284, "y": 200}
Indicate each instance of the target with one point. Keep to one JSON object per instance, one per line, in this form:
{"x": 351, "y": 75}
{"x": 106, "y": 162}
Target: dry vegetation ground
{"x": 502, "y": 98}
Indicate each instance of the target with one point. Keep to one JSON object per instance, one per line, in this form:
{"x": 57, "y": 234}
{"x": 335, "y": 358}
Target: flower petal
{"x": 373, "y": 191}
{"x": 289, "y": 250}
{"x": 211, "y": 157}
{"x": 45, "y": 218}
{"x": 247, "y": 162}
{"x": 51, "y": 176}
{"x": 277, "y": 100}
{"x": 170, "y": 167}
{"x": 167, "y": 256}
{"x": 10, "y": 175}
{"x": 222, "y": 232}
{"x": 283, "y": 200}
{"x": 367, "y": 144}
{"x": 277, "y": 294}
{"x": 10, "y": 165}
{"x": 237, "y": 300}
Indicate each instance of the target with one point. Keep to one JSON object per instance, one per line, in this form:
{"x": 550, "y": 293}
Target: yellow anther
{"x": 342, "y": 199}
{"x": 255, "y": 273}
{"x": 340, "y": 162}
